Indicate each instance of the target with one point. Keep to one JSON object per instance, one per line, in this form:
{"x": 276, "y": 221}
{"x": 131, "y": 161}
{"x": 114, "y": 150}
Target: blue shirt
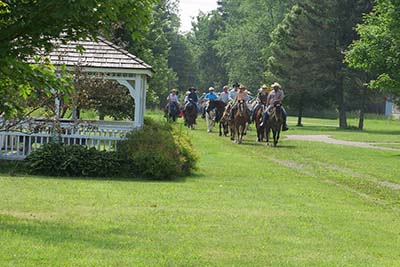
{"x": 211, "y": 96}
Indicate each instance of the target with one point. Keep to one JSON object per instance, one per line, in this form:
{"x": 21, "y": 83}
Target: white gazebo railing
{"x": 102, "y": 135}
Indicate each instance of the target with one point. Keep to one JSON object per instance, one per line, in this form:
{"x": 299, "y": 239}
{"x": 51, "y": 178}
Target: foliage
{"x": 306, "y": 52}
{"x": 108, "y": 98}
{"x": 243, "y": 42}
{"x": 56, "y": 159}
{"x": 158, "y": 151}
{"x": 25, "y": 30}
{"x": 209, "y": 65}
{"x": 376, "y": 52}
{"x": 154, "y": 49}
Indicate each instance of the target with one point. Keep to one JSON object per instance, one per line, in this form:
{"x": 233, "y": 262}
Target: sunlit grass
{"x": 300, "y": 204}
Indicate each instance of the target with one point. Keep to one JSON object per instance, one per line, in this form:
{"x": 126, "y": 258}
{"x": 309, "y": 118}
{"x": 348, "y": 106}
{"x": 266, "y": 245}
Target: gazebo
{"x": 100, "y": 59}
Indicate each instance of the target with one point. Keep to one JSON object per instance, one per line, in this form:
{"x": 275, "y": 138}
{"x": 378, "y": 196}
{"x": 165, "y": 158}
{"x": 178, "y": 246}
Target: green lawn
{"x": 300, "y": 204}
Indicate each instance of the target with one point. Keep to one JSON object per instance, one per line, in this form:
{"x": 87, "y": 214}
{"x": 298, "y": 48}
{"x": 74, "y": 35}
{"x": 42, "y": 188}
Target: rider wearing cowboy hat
{"x": 241, "y": 95}
{"x": 261, "y": 99}
{"x": 192, "y": 97}
{"x": 276, "y": 95}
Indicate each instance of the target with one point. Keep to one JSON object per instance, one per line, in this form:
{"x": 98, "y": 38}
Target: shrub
{"x": 158, "y": 151}
{"x": 56, "y": 159}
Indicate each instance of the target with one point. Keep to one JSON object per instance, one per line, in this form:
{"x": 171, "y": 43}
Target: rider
{"x": 210, "y": 96}
{"x": 276, "y": 95}
{"x": 241, "y": 95}
{"x": 233, "y": 91}
{"x": 173, "y": 99}
{"x": 224, "y": 96}
{"x": 261, "y": 99}
{"x": 192, "y": 97}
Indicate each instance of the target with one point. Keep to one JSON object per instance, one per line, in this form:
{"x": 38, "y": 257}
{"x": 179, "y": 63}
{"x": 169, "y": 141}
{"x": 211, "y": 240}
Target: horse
{"x": 261, "y": 130}
{"x": 214, "y": 112}
{"x": 241, "y": 118}
{"x": 190, "y": 115}
{"x": 275, "y": 122}
{"x": 171, "y": 111}
{"x": 225, "y": 122}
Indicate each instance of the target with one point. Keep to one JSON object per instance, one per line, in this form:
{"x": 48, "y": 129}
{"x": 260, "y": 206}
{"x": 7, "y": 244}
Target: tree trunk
{"x": 362, "y": 108}
{"x": 341, "y": 103}
{"x": 361, "y": 119}
{"x": 101, "y": 116}
{"x": 299, "y": 117}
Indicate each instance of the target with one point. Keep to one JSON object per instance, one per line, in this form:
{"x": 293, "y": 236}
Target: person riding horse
{"x": 261, "y": 100}
{"x": 191, "y": 98}
{"x": 172, "y": 107}
{"x": 233, "y": 92}
{"x": 209, "y": 96}
{"x": 275, "y": 96}
{"x": 242, "y": 95}
{"x": 224, "y": 95}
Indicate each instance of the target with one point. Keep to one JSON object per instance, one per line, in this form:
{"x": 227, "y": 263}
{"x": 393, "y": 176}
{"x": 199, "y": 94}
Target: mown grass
{"x": 300, "y": 204}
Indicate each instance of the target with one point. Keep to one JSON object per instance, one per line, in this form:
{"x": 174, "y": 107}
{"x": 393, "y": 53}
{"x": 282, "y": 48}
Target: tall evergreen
{"x": 307, "y": 50}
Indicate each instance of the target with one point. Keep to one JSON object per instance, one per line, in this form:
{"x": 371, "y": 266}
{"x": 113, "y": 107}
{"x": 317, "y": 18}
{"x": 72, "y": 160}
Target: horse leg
{"x": 242, "y": 130}
{"x": 220, "y": 132}
{"x": 275, "y": 136}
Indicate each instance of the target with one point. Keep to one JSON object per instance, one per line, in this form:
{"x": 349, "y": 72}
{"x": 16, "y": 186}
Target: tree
{"x": 154, "y": 48}
{"x": 210, "y": 66}
{"x": 243, "y": 44}
{"x": 27, "y": 27}
{"x": 295, "y": 61}
{"x": 309, "y": 44}
{"x": 376, "y": 52}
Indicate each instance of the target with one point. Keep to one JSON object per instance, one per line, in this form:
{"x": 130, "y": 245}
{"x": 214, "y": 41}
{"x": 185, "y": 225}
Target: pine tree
{"x": 307, "y": 51}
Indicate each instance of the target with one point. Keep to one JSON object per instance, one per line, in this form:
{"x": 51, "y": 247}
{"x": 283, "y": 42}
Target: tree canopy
{"x": 377, "y": 50}
{"x": 27, "y": 27}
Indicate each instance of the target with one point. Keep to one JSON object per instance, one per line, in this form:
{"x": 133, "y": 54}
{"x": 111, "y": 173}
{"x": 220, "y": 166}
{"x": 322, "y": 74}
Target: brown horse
{"x": 241, "y": 118}
{"x": 190, "y": 115}
{"x": 261, "y": 130}
{"x": 275, "y": 122}
{"x": 225, "y": 121}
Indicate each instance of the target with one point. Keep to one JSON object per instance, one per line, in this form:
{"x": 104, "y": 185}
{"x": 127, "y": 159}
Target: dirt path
{"x": 329, "y": 140}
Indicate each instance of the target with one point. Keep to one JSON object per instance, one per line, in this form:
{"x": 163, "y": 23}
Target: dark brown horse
{"x": 261, "y": 130}
{"x": 275, "y": 122}
{"x": 225, "y": 121}
{"x": 241, "y": 118}
{"x": 214, "y": 111}
{"x": 171, "y": 111}
{"x": 190, "y": 115}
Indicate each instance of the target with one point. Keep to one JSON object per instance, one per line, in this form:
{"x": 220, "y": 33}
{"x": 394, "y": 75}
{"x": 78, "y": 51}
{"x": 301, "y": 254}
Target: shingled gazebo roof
{"x": 98, "y": 56}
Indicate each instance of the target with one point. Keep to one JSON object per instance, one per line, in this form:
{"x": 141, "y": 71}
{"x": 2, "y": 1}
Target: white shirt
{"x": 232, "y": 94}
{"x": 224, "y": 96}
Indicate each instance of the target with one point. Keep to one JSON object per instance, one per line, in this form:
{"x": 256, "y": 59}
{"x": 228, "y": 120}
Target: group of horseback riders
{"x": 266, "y": 98}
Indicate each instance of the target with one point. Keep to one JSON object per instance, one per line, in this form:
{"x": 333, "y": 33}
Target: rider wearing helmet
{"x": 276, "y": 95}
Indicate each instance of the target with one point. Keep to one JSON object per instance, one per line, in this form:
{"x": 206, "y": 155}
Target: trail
{"x": 329, "y": 140}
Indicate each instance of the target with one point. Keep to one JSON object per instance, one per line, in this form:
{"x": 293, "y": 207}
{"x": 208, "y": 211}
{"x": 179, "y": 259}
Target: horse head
{"x": 242, "y": 108}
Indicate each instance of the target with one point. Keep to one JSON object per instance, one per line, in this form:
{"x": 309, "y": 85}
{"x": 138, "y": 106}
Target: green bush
{"x": 158, "y": 151}
{"x": 56, "y": 159}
